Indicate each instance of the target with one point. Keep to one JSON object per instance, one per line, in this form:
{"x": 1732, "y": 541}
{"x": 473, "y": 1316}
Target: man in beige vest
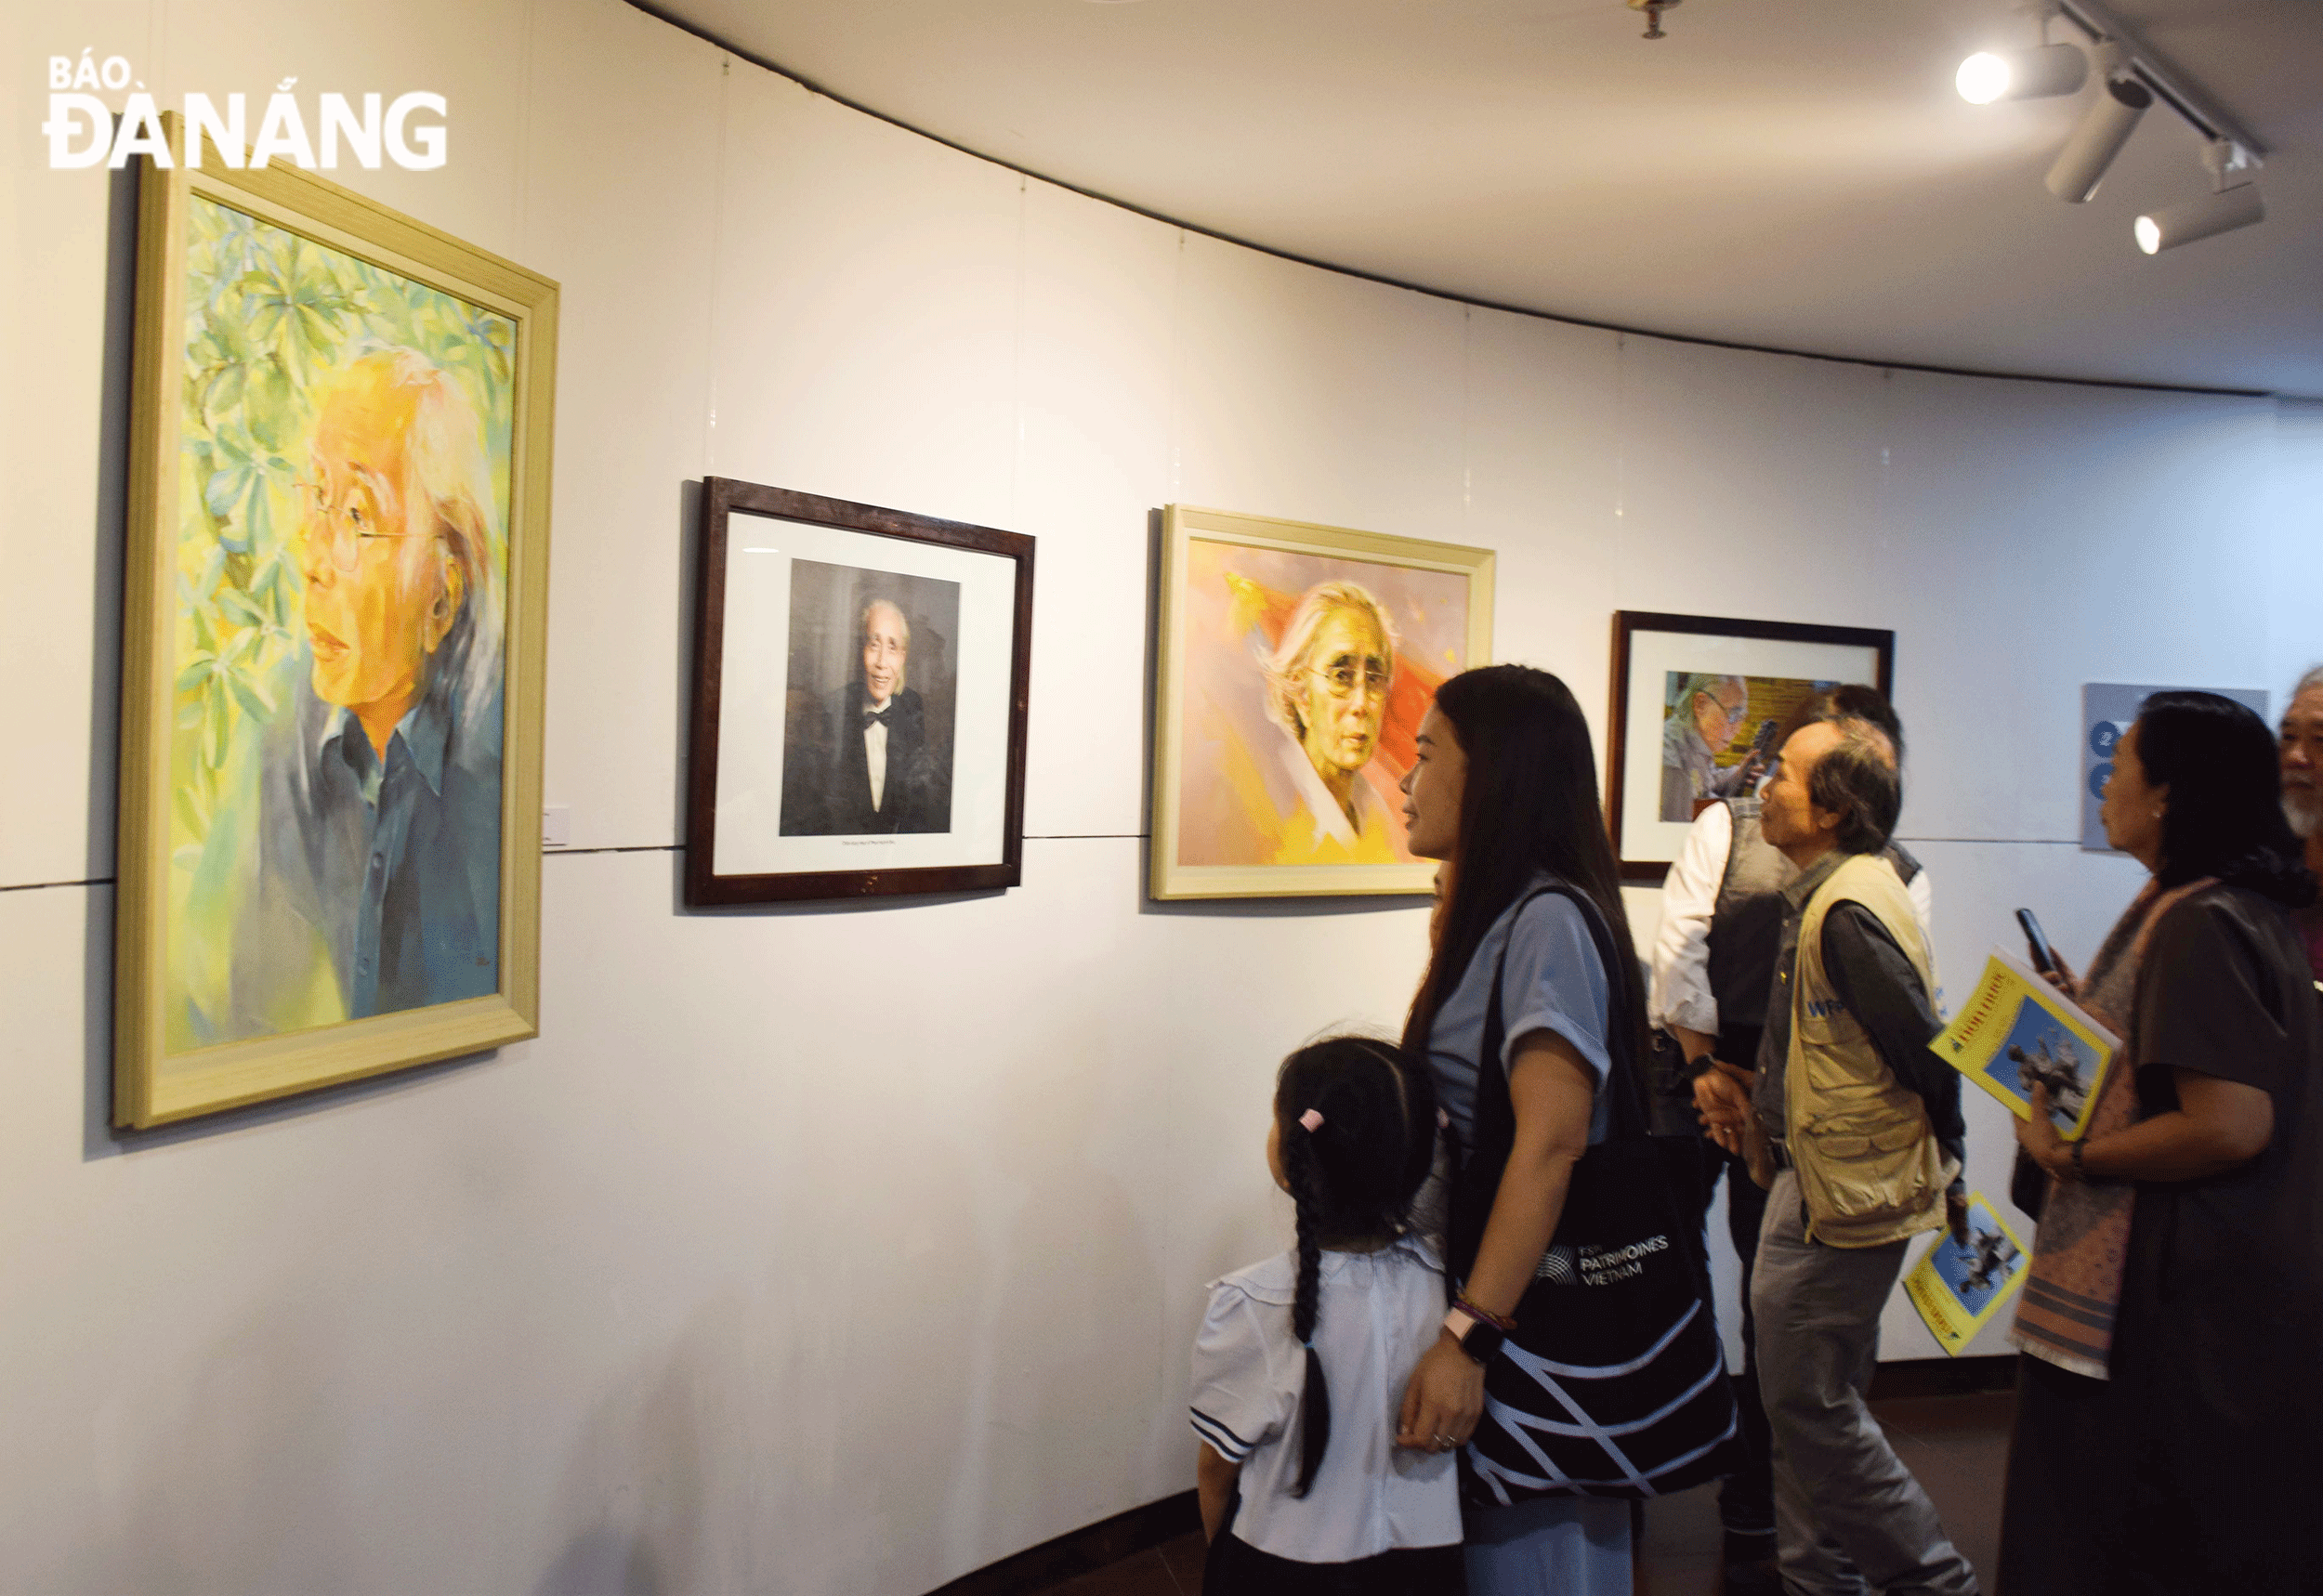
{"x": 1862, "y": 1141}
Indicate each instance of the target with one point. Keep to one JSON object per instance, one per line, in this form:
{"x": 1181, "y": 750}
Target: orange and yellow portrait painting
{"x": 1298, "y": 674}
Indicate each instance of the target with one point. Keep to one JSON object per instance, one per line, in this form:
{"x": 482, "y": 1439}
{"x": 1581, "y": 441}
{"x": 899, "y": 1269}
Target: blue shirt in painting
{"x": 387, "y": 864}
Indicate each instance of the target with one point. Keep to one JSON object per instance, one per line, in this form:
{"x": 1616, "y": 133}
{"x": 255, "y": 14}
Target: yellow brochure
{"x": 2015, "y": 1031}
{"x": 1957, "y": 1287}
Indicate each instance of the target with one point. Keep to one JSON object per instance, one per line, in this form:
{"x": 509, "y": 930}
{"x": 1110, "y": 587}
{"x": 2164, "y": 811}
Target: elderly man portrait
{"x": 1326, "y": 689}
{"x": 1707, "y": 712}
{"x": 1857, "y": 1129}
{"x": 2302, "y": 742}
{"x": 868, "y": 771}
{"x": 370, "y": 881}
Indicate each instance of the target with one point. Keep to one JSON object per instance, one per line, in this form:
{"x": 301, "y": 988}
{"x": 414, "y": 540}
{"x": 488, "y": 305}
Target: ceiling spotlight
{"x": 2232, "y": 207}
{"x": 2220, "y": 213}
{"x": 2104, "y": 130}
{"x": 2022, "y": 75}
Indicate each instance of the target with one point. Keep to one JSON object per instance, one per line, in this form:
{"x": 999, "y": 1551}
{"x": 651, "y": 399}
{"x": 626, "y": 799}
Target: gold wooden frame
{"x": 1180, "y": 525}
{"x": 150, "y": 1087}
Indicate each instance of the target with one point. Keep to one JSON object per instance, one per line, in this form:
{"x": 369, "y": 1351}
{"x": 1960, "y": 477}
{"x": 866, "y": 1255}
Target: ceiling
{"x": 1797, "y": 174}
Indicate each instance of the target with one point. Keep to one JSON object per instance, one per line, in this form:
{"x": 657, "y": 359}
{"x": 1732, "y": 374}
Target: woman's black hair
{"x": 1352, "y": 1177}
{"x": 1530, "y": 807}
{"x": 2224, "y": 816}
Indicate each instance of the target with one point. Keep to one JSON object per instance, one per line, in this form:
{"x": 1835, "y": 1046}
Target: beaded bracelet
{"x": 1501, "y": 1322}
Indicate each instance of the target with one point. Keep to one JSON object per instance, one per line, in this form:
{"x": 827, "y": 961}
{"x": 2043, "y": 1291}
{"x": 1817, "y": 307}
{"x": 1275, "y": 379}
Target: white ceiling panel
{"x": 1792, "y": 173}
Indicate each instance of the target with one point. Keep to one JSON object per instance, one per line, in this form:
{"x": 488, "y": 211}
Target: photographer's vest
{"x": 1746, "y": 924}
{"x": 1870, "y": 1170}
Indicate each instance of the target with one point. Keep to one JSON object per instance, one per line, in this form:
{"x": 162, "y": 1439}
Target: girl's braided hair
{"x": 1352, "y": 1177}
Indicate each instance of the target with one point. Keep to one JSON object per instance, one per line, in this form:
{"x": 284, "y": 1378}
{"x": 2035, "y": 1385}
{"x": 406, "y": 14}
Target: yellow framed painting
{"x": 334, "y": 609}
{"x": 1295, "y": 664}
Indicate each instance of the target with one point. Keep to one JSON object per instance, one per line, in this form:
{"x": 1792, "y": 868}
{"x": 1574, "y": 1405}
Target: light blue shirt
{"x": 1554, "y": 981}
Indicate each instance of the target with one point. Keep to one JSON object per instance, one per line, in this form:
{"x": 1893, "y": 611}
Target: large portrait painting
{"x": 1296, "y": 662}
{"x": 859, "y": 701}
{"x": 331, "y": 715}
{"x": 1698, "y": 703}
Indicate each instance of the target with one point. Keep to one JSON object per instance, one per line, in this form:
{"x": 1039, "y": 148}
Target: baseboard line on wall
{"x": 1944, "y": 1377}
{"x": 1081, "y": 1551}
{"x": 811, "y": 86}
{"x": 1124, "y": 1535}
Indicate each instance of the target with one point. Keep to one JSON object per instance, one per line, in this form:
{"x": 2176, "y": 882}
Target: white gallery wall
{"x": 845, "y": 1249}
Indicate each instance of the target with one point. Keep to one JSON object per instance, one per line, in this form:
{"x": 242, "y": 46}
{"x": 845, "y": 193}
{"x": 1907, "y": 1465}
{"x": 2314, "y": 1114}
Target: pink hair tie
{"x": 1312, "y": 1119}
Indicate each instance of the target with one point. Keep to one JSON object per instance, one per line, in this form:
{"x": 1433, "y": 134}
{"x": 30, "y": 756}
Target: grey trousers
{"x": 1848, "y": 1515}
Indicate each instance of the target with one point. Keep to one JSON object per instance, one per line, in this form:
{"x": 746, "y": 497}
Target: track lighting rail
{"x": 2169, "y": 86}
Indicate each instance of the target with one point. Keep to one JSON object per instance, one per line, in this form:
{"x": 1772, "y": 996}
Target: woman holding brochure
{"x": 2170, "y": 1419}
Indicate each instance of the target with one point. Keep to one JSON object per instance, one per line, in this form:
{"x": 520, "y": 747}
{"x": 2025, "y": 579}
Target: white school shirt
{"x": 1681, "y": 993}
{"x": 1377, "y": 1313}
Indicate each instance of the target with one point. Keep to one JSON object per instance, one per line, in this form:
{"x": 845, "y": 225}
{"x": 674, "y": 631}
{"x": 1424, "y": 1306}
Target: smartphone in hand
{"x": 2042, "y": 959}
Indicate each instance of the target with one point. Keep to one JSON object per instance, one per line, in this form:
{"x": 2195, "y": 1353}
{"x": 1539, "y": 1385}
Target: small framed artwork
{"x": 1296, "y": 661}
{"x": 1698, "y": 702}
{"x": 334, "y": 626}
{"x": 860, "y": 694}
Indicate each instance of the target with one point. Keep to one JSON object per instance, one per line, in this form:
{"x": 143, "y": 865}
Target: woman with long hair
{"x": 2168, "y": 1403}
{"x": 1504, "y": 793}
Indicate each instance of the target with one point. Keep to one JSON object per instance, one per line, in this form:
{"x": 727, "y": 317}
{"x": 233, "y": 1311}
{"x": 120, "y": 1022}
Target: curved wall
{"x": 841, "y": 1249}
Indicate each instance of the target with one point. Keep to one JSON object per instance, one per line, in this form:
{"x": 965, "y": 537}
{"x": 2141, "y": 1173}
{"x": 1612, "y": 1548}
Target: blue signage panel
{"x": 2108, "y": 708}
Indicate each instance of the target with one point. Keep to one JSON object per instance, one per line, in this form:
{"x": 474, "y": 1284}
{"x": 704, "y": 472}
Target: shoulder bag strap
{"x": 1494, "y": 1123}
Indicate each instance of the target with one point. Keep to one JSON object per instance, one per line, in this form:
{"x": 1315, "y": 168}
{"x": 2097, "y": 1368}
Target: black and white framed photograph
{"x": 1698, "y": 702}
{"x": 859, "y": 701}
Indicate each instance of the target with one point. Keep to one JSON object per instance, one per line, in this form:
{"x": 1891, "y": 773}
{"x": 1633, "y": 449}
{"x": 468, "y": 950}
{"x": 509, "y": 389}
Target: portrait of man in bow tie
{"x": 861, "y": 762}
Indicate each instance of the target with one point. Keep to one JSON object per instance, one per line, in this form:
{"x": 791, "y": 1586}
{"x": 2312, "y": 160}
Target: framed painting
{"x": 1295, "y": 662}
{"x": 333, "y": 612}
{"x": 1698, "y": 702}
{"x": 860, "y": 694}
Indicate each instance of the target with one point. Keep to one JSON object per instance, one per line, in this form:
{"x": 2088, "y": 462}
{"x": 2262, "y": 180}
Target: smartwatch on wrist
{"x": 1479, "y": 1341}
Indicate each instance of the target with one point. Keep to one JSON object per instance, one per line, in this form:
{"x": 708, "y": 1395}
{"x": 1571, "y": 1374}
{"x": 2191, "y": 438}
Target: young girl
{"x": 1302, "y": 1359}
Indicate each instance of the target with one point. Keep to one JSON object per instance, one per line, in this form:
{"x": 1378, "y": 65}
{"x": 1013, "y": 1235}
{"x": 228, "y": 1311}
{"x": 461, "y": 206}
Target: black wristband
{"x": 1483, "y": 1342}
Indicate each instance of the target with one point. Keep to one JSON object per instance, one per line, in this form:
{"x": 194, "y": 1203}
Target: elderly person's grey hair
{"x": 2311, "y": 682}
{"x": 1292, "y": 655}
{"x": 1700, "y": 682}
{"x": 1858, "y": 779}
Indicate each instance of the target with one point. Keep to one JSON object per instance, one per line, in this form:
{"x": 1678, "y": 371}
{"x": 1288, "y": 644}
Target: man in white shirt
{"x": 1714, "y": 965}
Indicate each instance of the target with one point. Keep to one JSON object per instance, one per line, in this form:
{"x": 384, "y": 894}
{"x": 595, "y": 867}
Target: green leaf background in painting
{"x": 267, "y": 314}
{"x": 249, "y": 696}
{"x": 216, "y": 722}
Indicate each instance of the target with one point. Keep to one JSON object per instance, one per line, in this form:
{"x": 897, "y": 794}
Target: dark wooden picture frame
{"x": 722, "y": 499}
{"x": 1793, "y": 652}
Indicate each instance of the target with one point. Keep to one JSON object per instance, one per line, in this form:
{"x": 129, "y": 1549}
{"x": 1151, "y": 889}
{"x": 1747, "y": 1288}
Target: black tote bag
{"x": 1614, "y": 1382}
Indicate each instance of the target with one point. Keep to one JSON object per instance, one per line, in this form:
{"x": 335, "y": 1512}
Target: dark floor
{"x": 1956, "y": 1444}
